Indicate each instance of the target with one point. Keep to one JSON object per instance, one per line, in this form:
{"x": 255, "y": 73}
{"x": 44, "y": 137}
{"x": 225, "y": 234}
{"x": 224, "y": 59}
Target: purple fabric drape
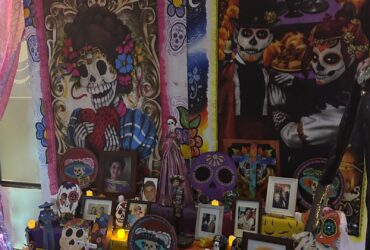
{"x": 11, "y": 30}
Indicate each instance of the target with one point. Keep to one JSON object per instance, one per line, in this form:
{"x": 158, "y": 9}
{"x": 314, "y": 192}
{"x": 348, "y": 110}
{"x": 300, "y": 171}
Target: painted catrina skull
{"x": 67, "y": 198}
{"x": 98, "y": 76}
{"x": 74, "y": 235}
{"x": 213, "y": 173}
{"x": 120, "y": 212}
{"x": 328, "y": 63}
{"x": 251, "y": 42}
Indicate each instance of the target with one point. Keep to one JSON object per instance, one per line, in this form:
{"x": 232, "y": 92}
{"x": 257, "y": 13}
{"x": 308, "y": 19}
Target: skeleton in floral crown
{"x": 100, "y": 55}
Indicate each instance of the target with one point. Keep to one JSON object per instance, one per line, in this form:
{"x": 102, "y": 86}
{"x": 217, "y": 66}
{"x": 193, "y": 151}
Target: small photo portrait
{"x": 118, "y": 172}
{"x": 149, "y": 190}
{"x": 246, "y": 216}
{"x": 281, "y": 196}
{"x": 135, "y": 210}
{"x": 93, "y": 206}
{"x": 209, "y": 223}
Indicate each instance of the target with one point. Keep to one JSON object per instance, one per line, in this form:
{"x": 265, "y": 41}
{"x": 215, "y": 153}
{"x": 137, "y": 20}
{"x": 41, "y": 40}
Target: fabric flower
{"x": 195, "y": 142}
{"x": 127, "y": 45}
{"x": 176, "y": 7}
{"x": 124, "y": 63}
{"x": 41, "y": 132}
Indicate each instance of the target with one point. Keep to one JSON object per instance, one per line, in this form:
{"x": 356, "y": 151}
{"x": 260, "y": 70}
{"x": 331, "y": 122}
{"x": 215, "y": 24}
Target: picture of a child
{"x": 115, "y": 182}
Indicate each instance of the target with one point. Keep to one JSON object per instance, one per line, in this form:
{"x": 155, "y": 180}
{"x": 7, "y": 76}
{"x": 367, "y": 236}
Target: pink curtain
{"x": 11, "y": 31}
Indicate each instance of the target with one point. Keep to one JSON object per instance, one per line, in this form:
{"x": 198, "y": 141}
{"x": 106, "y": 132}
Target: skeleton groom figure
{"x": 243, "y": 102}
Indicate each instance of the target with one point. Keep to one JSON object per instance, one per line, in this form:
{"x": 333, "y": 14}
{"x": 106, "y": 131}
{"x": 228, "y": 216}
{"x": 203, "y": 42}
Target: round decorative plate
{"x": 308, "y": 173}
{"x": 79, "y": 166}
{"x": 152, "y": 232}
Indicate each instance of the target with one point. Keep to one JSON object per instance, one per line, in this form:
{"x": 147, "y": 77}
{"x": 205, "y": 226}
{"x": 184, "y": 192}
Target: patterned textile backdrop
{"x": 104, "y": 73}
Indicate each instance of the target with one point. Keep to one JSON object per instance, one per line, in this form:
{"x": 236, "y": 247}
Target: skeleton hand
{"x": 111, "y": 139}
{"x": 284, "y": 79}
{"x": 82, "y": 130}
{"x": 276, "y": 95}
{"x": 363, "y": 71}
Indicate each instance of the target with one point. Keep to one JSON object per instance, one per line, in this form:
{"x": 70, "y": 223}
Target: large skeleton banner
{"x": 105, "y": 76}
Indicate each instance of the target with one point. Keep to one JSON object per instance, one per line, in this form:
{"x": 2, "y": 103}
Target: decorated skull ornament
{"x": 68, "y": 197}
{"x": 120, "y": 213}
{"x": 213, "y": 173}
{"x": 178, "y": 36}
{"x": 74, "y": 235}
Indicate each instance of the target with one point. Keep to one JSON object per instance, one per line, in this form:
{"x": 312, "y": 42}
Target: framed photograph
{"x": 246, "y": 217}
{"x": 252, "y": 241}
{"x": 209, "y": 221}
{"x": 117, "y": 173}
{"x": 256, "y": 160}
{"x": 281, "y": 196}
{"x": 92, "y": 206}
{"x": 135, "y": 210}
{"x": 149, "y": 190}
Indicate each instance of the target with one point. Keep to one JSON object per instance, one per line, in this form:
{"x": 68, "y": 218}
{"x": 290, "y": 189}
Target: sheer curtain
{"x": 11, "y": 30}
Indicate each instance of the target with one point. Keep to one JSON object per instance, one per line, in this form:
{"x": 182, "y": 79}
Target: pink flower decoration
{"x": 75, "y": 72}
{"x": 124, "y": 80}
{"x": 67, "y": 42}
{"x": 128, "y": 44}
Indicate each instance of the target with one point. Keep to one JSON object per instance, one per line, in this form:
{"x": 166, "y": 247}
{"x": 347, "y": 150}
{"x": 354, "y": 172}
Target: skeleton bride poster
{"x": 104, "y": 73}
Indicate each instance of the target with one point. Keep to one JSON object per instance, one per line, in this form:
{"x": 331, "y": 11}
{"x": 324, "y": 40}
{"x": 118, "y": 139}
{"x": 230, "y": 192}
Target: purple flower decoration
{"x": 41, "y": 132}
{"x": 176, "y": 7}
{"x": 124, "y": 63}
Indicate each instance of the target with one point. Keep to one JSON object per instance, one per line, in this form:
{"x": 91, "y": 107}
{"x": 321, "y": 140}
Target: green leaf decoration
{"x": 184, "y": 116}
{"x": 194, "y": 123}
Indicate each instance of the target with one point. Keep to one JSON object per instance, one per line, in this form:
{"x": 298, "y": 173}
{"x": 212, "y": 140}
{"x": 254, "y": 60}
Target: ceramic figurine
{"x": 120, "y": 212}
{"x": 46, "y": 220}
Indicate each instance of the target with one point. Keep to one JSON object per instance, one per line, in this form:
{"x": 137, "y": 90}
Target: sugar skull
{"x": 67, "y": 198}
{"x": 251, "y": 42}
{"x": 177, "y": 36}
{"x": 213, "y": 173}
{"x": 98, "y": 76}
{"x": 74, "y": 235}
{"x": 120, "y": 213}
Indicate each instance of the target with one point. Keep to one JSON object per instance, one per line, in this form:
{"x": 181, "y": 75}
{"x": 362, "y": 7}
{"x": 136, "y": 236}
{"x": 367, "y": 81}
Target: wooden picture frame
{"x": 252, "y": 241}
{"x": 117, "y": 173}
{"x": 135, "y": 210}
{"x": 209, "y": 221}
{"x": 251, "y": 156}
{"x": 281, "y": 196}
{"x": 247, "y": 216}
{"x": 91, "y": 206}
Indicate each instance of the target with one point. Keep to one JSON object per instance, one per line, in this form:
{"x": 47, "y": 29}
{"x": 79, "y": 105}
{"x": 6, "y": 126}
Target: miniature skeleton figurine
{"x": 46, "y": 219}
{"x": 177, "y": 200}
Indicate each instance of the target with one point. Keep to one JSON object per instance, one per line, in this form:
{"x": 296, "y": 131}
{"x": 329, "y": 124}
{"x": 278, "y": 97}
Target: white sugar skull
{"x": 177, "y": 36}
{"x": 213, "y": 173}
{"x": 74, "y": 235}
{"x": 67, "y": 198}
{"x": 171, "y": 122}
{"x": 120, "y": 213}
{"x": 99, "y": 77}
{"x": 251, "y": 42}
{"x": 328, "y": 63}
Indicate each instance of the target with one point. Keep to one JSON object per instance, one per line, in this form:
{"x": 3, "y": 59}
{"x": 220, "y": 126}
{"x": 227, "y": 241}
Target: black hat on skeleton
{"x": 256, "y": 14}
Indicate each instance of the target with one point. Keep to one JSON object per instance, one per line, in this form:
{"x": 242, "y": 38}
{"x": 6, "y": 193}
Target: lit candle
{"x": 89, "y": 193}
{"x": 215, "y": 203}
{"x": 31, "y": 224}
{"x": 231, "y": 240}
{"x": 121, "y": 234}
